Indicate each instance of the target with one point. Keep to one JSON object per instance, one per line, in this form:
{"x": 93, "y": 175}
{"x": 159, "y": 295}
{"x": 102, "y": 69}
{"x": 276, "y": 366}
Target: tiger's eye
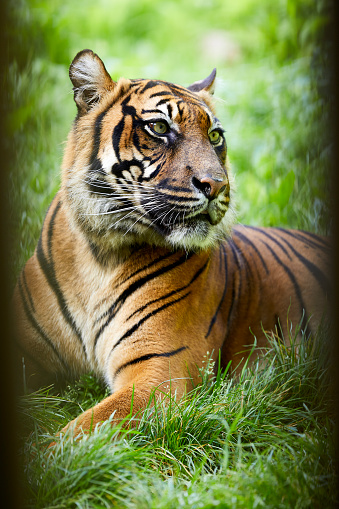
{"x": 159, "y": 127}
{"x": 214, "y": 137}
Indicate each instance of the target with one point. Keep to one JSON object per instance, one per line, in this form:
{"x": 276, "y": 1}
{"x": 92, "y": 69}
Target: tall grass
{"x": 262, "y": 440}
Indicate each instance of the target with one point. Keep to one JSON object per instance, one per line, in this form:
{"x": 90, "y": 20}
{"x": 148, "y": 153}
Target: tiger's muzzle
{"x": 211, "y": 187}
{"x": 216, "y": 190}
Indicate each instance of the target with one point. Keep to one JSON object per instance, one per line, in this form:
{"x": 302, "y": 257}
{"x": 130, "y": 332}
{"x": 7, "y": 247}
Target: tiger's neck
{"x": 109, "y": 250}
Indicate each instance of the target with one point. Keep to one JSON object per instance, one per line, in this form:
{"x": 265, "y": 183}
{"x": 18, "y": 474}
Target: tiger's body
{"x": 136, "y": 275}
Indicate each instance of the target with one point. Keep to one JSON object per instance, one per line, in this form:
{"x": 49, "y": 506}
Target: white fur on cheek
{"x": 108, "y": 158}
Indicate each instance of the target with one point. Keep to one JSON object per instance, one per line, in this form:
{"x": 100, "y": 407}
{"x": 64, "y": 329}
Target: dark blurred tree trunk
{"x": 332, "y": 42}
{"x": 11, "y": 487}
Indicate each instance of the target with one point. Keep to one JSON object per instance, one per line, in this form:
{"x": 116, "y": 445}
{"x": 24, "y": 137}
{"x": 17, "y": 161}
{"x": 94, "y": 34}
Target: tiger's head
{"x": 145, "y": 162}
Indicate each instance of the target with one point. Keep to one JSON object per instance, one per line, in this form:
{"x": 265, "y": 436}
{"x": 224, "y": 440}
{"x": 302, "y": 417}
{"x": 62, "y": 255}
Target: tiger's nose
{"x": 211, "y": 187}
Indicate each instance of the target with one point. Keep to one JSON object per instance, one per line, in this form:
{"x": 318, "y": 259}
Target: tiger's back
{"x": 282, "y": 280}
{"x": 130, "y": 277}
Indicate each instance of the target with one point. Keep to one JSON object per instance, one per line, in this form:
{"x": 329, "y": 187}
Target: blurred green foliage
{"x": 272, "y": 93}
{"x": 136, "y": 31}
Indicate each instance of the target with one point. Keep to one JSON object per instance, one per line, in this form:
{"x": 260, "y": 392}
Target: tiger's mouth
{"x": 201, "y": 221}
{"x": 204, "y": 217}
{"x": 214, "y": 212}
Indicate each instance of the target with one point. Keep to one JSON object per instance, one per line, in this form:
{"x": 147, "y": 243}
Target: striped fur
{"x": 138, "y": 273}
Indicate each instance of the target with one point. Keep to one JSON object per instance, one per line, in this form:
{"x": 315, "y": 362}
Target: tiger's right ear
{"x": 206, "y": 84}
{"x": 90, "y": 80}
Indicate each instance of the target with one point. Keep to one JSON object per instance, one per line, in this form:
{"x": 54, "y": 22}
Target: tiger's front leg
{"x": 135, "y": 372}
{"x": 132, "y": 397}
{"x": 160, "y": 346}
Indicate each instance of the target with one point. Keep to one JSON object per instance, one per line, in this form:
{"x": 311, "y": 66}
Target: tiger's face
{"x": 146, "y": 161}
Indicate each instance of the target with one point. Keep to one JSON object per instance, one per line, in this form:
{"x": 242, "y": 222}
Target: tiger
{"x": 141, "y": 271}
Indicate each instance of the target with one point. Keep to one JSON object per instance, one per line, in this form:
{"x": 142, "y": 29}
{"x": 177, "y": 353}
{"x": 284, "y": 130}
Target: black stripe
{"x": 95, "y": 164}
{"x": 162, "y": 101}
{"x": 145, "y": 267}
{"x": 116, "y": 306}
{"x": 150, "y": 111}
{"x": 40, "y": 331}
{"x": 156, "y": 94}
{"x": 99, "y": 254}
{"x": 127, "y": 109}
{"x": 300, "y": 235}
{"x": 316, "y": 237}
{"x": 167, "y": 199}
{"x": 173, "y": 292}
{"x": 220, "y": 256}
{"x": 140, "y": 282}
{"x": 234, "y": 301}
{"x": 141, "y": 269}
{"x": 174, "y": 199}
{"x": 313, "y": 269}
{"x": 100, "y": 186}
{"x": 149, "y": 84}
{"x": 50, "y": 232}
{"x": 136, "y": 82}
{"x": 154, "y": 160}
{"x": 264, "y": 232}
{"x": 177, "y": 189}
{"x": 116, "y": 135}
{"x": 48, "y": 269}
{"x": 169, "y": 109}
{"x": 293, "y": 281}
{"x": 185, "y": 93}
{"x": 97, "y": 137}
{"x": 150, "y": 356}
{"x": 234, "y": 250}
{"x": 118, "y": 169}
{"x": 97, "y": 134}
{"x": 223, "y": 294}
{"x": 249, "y": 274}
{"x": 235, "y": 295}
{"x": 249, "y": 242}
{"x": 96, "y": 167}
{"x": 180, "y": 109}
{"x": 27, "y": 290}
{"x": 155, "y": 172}
{"x": 127, "y": 98}
{"x": 136, "y": 326}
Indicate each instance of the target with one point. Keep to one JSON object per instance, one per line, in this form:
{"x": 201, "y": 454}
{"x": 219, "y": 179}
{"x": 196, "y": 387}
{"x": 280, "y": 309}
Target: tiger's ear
{"x": 206, "y": 84}
{"x": 90, "y": 80}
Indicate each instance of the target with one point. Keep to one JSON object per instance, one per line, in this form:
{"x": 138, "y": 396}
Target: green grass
{"x": 266, "y": 439}
{"x": 263, "y": 440}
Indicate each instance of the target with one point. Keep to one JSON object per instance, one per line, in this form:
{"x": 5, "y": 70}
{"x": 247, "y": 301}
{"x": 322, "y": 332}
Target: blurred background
{"x": 272, "y": 94}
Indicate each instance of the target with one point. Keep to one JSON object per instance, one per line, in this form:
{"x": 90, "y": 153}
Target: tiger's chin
{"x": 200, "y": 234}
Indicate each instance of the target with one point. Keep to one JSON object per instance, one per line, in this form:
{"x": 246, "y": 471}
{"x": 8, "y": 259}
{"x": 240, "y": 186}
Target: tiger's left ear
{"x": 90, "y": 80}
{"x": 207, "y": 84}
